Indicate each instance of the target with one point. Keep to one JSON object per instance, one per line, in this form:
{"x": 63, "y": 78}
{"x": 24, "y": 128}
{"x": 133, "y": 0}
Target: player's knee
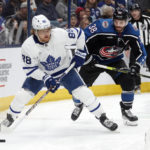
{"x": 127, "y": 83}
{"x": 21, "y": 98}
{"x": 84, "y": 94}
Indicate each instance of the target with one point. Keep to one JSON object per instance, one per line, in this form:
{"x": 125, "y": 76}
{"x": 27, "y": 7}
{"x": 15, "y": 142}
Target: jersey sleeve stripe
{"x": 30, "y": 72}
{"x": 30, "y": 67}
{"x": 76, "y": 29}
{"x": 79, "y": 33}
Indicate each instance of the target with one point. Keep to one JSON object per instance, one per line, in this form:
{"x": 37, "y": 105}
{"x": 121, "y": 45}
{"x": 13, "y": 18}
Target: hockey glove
{"x": 51, "y": 83}
{"x": 134, "y": 70}
{"x": 79, "y": 58}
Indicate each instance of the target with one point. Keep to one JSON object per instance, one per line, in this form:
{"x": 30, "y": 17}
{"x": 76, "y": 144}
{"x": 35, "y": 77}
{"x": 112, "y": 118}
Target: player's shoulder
{"x": 58, "y": 31}
{"x": 29, "y": 42}
{"x": 131, "y": 30}
{"x": 106, "y": 25}
{"x": 58, "y": 35}
{"x": 29, "y": 46}
{"x": 99, "y": 26}
{"x": 76, "y": 31}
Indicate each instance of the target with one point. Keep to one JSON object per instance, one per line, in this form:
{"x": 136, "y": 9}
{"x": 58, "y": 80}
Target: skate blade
{"x": 130, "y": 123}
{"x": 4, "y": 129}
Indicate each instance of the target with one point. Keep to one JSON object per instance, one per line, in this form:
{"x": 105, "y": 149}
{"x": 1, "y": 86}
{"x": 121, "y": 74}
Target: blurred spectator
{"x": 33, "y": 5}
{"x": 10, "y": 8}
{"x": 121, "y": 3}
{"x": 95, "y": 11}
{"x": 17, "y": 25}
{"x": 88, "y": 13}
{"x": 106, "y": 2}
{"x": 79, "y": 12}
{"x": 21, "y": 15}
{"x": 3, "y": 30}
{"x": 73, "y": 21}
{"x": 107, "y": 11}
{"x": 54, "y": 2}
{"x": 38, "y": 2}
{"x": 62, "y": 9}
{"x": 81, "y": 3}
{"x": 48, "y": 9}
{"x": 84, "y": 22}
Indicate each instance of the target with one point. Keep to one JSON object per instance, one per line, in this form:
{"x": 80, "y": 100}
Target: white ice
{"x": 49, "y": 127}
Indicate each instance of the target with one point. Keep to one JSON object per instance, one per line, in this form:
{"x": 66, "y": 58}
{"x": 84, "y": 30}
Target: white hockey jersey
{"x": 53, "y": 57}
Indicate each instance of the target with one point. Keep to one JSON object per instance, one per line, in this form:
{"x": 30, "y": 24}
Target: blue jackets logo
{"x": 109, "y": 52}
{"x": 51, "y": 63}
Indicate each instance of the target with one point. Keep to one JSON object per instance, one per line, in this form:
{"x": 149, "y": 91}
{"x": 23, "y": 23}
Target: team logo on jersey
{"x": 51, "y": 63}
{"x": 105, "y": 24}
{"x": 109, "y": 52}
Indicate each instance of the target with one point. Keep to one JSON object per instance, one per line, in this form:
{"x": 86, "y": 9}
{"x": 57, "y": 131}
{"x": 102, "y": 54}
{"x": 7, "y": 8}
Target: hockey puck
{"x": 2, "y": 140}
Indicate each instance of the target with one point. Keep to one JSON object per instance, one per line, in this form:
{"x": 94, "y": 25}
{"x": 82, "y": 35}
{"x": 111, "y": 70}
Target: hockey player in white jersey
{"x": 46, "y": 55}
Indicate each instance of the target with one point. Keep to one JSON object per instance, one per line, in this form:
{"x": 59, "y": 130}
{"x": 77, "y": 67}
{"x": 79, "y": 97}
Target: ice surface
{"x": 49, "y": 127}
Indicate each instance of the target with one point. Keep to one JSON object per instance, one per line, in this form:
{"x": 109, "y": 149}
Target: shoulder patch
{"x": 105, "y": 24}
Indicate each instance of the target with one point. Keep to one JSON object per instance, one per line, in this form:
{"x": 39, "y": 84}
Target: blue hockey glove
{"x": 51, "y": 83}
{"x": 79, "y": 58}
{"x": 134, "y": 70}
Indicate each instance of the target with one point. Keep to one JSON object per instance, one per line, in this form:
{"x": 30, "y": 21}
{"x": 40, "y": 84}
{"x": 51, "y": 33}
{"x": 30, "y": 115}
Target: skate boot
{"x": 76, "y": 112}
{"x": 8, "y": 121}
{"x": 107, "y": 123}
{"x": 128, "y": 117}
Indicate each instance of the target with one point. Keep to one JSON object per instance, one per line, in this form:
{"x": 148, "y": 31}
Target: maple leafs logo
{"x": 51, "y": 63}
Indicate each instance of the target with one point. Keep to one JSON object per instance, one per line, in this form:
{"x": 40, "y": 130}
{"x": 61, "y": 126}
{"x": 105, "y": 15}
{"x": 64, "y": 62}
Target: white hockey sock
{"x": 20, "y": 100}
{"x": 86, "y": 96}
{"x": 96, "y": 108}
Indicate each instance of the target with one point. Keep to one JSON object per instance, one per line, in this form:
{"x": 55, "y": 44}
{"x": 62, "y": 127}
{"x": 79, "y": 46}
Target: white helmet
{"x": 40, "y": 22}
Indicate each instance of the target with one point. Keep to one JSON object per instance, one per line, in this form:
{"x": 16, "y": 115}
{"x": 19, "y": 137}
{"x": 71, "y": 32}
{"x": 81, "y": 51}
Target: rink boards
{"x": 12, "y": 77}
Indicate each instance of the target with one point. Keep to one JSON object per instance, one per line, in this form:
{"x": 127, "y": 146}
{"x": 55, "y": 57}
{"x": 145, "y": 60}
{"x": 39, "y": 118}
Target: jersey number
{"x": 26, "y": 59}
{"x": 93, "y": 28}
{"x": 71, "y": 35}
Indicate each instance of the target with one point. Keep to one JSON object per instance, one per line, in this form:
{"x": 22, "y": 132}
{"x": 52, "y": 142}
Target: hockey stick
{"x": 119, "y": 70}
{"x": 42, "y": 97}
{"x": 19, "y": 120}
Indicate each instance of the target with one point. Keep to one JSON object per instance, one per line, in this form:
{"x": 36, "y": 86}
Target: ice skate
{"x": 107, "y": 123}
{"x": 8, "y": 121}
{"x": 129, "y": 118}
{"x": 6, "y": 124}
{"x": 76, "y": 112}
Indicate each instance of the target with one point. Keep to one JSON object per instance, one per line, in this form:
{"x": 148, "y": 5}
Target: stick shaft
{"x": 119, "y": 70}
{"x": 45, "y": 94}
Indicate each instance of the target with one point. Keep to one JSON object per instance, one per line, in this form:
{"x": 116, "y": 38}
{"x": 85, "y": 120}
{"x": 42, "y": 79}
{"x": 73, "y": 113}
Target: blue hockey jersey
{"x": 103, "y": 40}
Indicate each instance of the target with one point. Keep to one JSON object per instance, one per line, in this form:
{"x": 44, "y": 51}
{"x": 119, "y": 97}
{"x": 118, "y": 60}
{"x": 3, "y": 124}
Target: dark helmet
{"x": 135, "y": 6}
{"x": 120, "y": 14}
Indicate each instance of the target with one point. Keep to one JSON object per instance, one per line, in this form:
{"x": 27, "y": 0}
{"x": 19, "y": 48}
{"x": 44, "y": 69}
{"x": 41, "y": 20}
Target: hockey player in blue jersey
{"x": 46, "y": 55}
{"x": 107, "y": 39}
